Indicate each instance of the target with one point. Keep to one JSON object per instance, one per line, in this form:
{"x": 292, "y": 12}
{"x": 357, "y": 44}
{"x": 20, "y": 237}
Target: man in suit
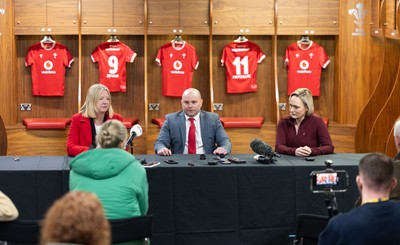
{"x": 376, "y": 221}
{"x": 209, "y": 134}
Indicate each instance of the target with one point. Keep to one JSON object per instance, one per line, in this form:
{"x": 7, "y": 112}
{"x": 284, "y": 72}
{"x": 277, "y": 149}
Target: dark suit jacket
{"x": 173, "y": 133}
{"x": 80, "y": 134}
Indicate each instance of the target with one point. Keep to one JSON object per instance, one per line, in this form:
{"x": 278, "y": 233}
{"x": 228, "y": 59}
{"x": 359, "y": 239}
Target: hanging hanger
{"x": 305, "y": 40}
{"x": 241, "y": 38}
{"x": 47, "y": 39}
{"x": 113, "y": 38}
{"x": 178, "y": 39}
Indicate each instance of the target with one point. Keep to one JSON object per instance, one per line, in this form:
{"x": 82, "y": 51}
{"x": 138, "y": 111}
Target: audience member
{"x": 376, "y": 221}
{"x": 86, "y": 124}
{"x": 8, "y": 211}
{"x": 77, "y": 217}
{"x": 203, "y": 129}
{"x": 117, "y": 178}
{"x": 302, "y": 133}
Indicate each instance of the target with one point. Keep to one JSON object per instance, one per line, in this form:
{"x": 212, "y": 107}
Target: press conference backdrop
{"x": 249, "y": 203}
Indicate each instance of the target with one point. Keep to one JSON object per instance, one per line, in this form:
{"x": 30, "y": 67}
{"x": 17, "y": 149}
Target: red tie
{"x": 192, "y": 137}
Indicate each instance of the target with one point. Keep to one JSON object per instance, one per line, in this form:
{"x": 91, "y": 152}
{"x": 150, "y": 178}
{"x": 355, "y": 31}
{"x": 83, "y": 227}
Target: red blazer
{"x": 80, "y": 134}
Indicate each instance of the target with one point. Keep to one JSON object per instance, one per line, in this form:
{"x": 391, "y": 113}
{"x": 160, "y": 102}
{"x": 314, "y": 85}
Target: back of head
{"x": 93, "y": 94}
{"x": 305, "y": 95}
{"x": 112, "y": 133}
{"x": 77, "y": 217}
{"x": 376, "y": 170}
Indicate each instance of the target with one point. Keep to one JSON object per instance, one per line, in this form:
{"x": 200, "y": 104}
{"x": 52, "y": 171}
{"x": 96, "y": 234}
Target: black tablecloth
{"x": 248, "y": 203}
{"x": 33, "y": 183}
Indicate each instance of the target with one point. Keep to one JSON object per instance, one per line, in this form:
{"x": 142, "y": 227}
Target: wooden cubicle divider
{"x": 374, "y": 128}
{"x": 380, "y": 94}
{"x": 3, "y": 138}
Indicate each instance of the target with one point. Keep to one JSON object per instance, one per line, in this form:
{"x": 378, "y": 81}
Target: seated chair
{"x": 130, "y": 229}
{"x": 20, "y": 231}
{"x": 308, "y": 228}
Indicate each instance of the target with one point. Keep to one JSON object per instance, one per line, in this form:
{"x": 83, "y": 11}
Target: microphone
{"x": 265, "y": 152}
{"x": 136, "y": 130}
{"x": 260, "y": 147}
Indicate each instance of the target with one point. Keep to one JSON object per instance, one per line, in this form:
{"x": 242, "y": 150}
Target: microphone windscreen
{"x": 260, "y": 147}
{"x": 136, "y": 129}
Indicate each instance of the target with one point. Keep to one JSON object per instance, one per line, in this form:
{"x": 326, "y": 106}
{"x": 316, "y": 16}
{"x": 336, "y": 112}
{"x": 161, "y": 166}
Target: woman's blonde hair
{"x": 304, "y": 94}
{"x": 111, "y": 134}
{"x": 77, "y": 217}
{"x": 93, "y": 94}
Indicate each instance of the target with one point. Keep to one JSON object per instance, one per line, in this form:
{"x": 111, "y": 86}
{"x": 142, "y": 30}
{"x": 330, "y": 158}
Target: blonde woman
{"x": 86, "y": 124}
{"x": 302, "y": 133}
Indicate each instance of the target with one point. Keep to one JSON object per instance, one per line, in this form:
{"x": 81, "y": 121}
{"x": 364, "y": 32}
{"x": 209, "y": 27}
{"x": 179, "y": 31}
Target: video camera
{"x": 329, "y": 180}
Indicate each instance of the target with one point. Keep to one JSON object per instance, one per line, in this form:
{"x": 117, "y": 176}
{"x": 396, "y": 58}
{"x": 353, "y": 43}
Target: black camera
{"x": 329, "y": 180}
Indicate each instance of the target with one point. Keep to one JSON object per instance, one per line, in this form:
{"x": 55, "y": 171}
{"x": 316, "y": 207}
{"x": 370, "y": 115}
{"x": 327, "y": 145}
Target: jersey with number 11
{"x": 241, "y": 60}
{"x": 112, "y": 57}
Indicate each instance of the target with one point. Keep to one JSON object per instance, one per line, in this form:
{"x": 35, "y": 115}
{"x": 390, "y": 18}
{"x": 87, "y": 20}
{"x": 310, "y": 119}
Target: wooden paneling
{"x": 322, "y": 104}
{"x": 235, "y": 17}
{"x": 194, "y": 13}
{"x": 391, "y": 30}
{"x": 259, "y": 103}
{"x": 292, "y": 13}
{"x": 163, "y": 13}
{"x": 3, "y": 138}
{"x": 352, "y": 88}
{"x": 47, "y": 17}
{"x": 383, "y": 69}
{"x": 30, "y": 13}
{"x": 323, "y": 13}
{"x": 97, "y": 13}
{"x": 129, "y": 13}
{"x": 200, "y": 76}
{"x": 62, "y": 13}
{"x": 8, "y": 96}
{"x": 178, "y": 16}
{"x": 24, "y": 142}
{"x": 389, "y": 113}
{"x": 378, "y": 15}
{"x": 315, "y": 17}
{"x": 46, "y": 106}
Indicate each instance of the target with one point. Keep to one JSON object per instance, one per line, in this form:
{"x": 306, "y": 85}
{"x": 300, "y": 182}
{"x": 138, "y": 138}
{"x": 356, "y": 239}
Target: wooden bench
{"x": 242, "y": 122}
{"x": 46, "y": 123}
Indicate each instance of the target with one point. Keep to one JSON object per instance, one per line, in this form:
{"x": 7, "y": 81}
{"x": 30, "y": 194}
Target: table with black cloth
{"x": 33, "y": 182}
{"x": 250, "y": 203}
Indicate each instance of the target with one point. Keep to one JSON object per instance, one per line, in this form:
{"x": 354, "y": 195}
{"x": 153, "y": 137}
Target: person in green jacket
{"x": 113, "y": 174}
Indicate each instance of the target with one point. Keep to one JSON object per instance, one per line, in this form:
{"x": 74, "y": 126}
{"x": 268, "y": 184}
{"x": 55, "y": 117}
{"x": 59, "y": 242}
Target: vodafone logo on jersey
{"x": 48, "y": 65}
{"x": 177, "y": 66}
{"x": 304, "y": 66}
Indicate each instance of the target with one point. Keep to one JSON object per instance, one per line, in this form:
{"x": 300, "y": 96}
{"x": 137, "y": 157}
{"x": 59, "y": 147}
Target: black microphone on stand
{"x": 136, "y": 130}
{"x": 265, "y": 152}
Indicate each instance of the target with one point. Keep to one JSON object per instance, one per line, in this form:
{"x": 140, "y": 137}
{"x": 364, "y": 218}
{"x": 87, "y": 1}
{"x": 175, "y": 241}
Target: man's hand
{"x": 220, "y": 150}
{"x": 164, "y": 152}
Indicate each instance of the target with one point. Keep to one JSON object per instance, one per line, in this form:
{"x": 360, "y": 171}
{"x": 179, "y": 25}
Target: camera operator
{"x": 376, "y": 221}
